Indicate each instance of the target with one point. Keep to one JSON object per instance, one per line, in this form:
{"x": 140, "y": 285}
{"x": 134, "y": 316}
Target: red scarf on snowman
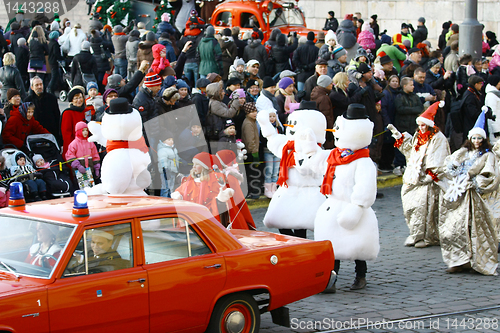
{"x": 339, "y": 157}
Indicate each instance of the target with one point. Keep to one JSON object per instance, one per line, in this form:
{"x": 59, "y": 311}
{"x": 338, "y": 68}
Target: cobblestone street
{"x": 403, "y": 283}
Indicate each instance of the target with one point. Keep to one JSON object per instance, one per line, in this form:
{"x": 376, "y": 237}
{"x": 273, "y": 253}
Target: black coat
{"x": 408, "y": 107}
{"x": 38, "y": 50}
{"x": 442, "y": 39}
{"x": 14, "y": 36}
{"x": 331, "y": 24}
{"x": 47, "y": 112}
{"x": 367, "y": 97}
{"x": 22, "y": 60}
{"x": 472, "y": 102}
{"x": 419, "y": 35}
{"x": 304, "y": 59}
{"x": 281, "y": 53}
{"x": 255, "y": 50}
{"x": 11, "y": 78}
{"x": 201, "y": 103}
{"x": 88, "y": 65}
{"x": 144, "y": 102}
{"x": 55, "y": 54}
{"x": 97, "y": 45}
{"x": 240, "y": 44}
{"x": 128, "y": 89}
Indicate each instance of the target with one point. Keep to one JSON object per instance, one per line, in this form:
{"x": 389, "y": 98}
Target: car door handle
{"x": 216, "y": 266}
{"x": 142, "y": 280}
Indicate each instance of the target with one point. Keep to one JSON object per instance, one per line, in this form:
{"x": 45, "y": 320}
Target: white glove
{"x": 349, "y": 217}
{"x": 97, "y": 136}
{"x": 266, "y": 128}
{"x": 176, "y": 195}
{"x": 395, "y": 133}
{"x": 225, "y": 195}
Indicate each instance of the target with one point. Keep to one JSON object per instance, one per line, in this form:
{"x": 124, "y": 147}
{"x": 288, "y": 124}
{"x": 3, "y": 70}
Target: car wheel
{"x": 236, "y": 313}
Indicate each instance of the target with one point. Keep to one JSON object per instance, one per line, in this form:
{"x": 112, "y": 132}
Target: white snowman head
{"x": 121, "y": 121}
{"x": 301, "y": 119}
{"x": 353, "y": 130}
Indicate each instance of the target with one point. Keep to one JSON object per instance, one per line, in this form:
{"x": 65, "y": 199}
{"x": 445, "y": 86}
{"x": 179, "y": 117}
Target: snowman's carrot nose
{"x": 289, "y": 125}
{"x": 330, "y": 130}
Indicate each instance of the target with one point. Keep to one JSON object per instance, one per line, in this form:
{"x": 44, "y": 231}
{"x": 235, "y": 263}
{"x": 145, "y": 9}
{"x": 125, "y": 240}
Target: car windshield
{"x": 31, "y": 248}
{"x": 285, "y": 16}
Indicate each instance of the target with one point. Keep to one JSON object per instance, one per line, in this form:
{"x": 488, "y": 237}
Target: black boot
{"x": 43, "y": 195}
{"x": 359, "y": 283}
{"x": 36, "y": 197}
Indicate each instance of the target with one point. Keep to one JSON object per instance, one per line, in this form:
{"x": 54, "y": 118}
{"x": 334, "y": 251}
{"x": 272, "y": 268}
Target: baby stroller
{"x": 67, "y": 84}
{"x": 9, "y": 155}
{"x": 47, "y": 146}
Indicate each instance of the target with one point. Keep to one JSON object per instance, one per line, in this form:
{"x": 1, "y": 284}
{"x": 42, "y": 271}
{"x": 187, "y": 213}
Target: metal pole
{"x": 470, "y": 32}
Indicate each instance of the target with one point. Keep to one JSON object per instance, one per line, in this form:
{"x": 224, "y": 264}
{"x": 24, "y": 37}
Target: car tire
{"x": 235, "y": 313}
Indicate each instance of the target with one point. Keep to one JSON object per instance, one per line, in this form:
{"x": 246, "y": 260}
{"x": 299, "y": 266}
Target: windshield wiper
{"x": 9, "y": 268}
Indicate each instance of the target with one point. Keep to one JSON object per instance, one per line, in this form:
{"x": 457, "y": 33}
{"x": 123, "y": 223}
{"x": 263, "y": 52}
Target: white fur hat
{"x": 330, "y": 35}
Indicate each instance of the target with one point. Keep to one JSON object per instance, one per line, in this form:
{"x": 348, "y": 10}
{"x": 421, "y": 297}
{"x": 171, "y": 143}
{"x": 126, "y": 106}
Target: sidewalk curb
{"x": 385, "y": 181}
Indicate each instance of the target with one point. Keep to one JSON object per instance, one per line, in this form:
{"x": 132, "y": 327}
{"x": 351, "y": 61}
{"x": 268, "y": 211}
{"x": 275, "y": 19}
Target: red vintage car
{"x": 146, "y": 264}
{"x": 265, "y": 15}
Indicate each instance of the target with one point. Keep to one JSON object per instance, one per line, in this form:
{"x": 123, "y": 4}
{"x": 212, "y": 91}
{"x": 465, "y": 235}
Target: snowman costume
{"x": 296, "y": 201}
{"x": 124, "y": 169}
{"x": 350, "y": 184}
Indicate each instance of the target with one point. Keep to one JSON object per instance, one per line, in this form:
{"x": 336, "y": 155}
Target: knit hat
{"x": 202, "y": 83}
{"x": 226, "y": 32}
{"x": 268, "y": 82}
{"x": 285, "y": 82}
{"x": 134, "y": 33}
{"x": 233, "y": 81}
{"x": 330, "y": 35}
{"x": 363, "y": 68}
{"x": 287, "y": 73}
{"x": 15, "y": 26}
{"x": 228, "y": 123}
{"x": 165, "y": 17}
{"x": 91, "y": 85}
{"x": 152, "y": 80}
{"x": 255, "y": 35}
{"x": 374, "y": 17}
{"x": 385, "y": 60}
{"x": 114, "y": 81}
{"x": 182, "y": 84}
{"x": 107, "y": 92}
{"x": 310, "y": 35}
{"x": 117, "y": 29}
{"x": 204, "y": 159}
{"x": 238, "y": 61}
{"x": 361, "y": 52}
{"x": 19, "y": 155}
{"x": 37, "y": 157}
{"x": 479, "y": 126}
{"x": 75, "y": 91}
{"x": 493, "y": 80}
{"x": 331, "y": 13}
{"x": 240, "y": 92}
{"x": 21, "y": 41}
{"x": 54, "y": 35}
{"x": 421, "y": 20}
{"x": 404, "y": 26}
{"x": 339, "y": 52}
{"x": 85, "y": 46}
{"x": 249, "y": 107}
{"x": 210, "y": 31}
{"x": 428, "y": 116}
{"x": 251, "y": 83}
{"x": 12, "y": 92}
{"x": 324, "y": 81}
{"x": 150, "y": 36}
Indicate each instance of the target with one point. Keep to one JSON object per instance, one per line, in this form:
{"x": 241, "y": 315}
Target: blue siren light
{"x": 80, "y": 200}
{"x": 16, "y": 191}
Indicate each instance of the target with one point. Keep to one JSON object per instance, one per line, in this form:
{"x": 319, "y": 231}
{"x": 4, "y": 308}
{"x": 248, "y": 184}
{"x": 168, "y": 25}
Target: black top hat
{"x": 119, "y": 106}
{"x": 355, "y": 111}
{"x": 307, "y": 105}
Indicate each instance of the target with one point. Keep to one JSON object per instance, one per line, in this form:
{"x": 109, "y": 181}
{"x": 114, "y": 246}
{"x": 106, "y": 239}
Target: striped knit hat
{"x": 152, "y": 79}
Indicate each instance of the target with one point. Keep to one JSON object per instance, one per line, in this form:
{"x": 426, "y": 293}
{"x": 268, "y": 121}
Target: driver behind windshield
{"x": 102, "y": 253}
{"x": 46, "y": 252}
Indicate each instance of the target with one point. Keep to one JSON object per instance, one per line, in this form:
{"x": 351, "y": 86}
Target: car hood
{"x": 10, "y": 284}
{"x": 255, "y": 240}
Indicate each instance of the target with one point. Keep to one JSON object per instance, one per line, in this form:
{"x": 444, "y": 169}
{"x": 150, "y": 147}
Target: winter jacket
{"x": 304, "y": 60}
{"x": 408, "y": 107}
{"x": 201, "y": 103}
{"x": 144, "y": 102}
{"x": 396, "y": 55}
{"x": 145, "y": 52}
{"x": 311, "y": 82}
{"x": 250, "y": 135}
{"x": 255, "y": 50}
{"x": 73, "y": 44}
{"x": 168, "y": 158}
{"x": 367, "y": 40}
{"x": 240, "y": 44}
{"x": 191, "y": 54}
{"x": 38, "y": 50}
{"x": 493, "y": 101}
{"x": 97, "y": 45}
{"x": 442, "y": 39}
{"x": 11, "y": 78}
{"x": 22, "y": 60}
{"x": 18, "y": 128}
{"x": 324, "y": 53}
{"x": 119, "y": 40}
{"x": 346, "y": 34}
{"x": 128, "y": 89}
{"x": 331, "y": 24}
{"x": 340, "y": 101}
{"x": 281, "y": 100}
{"x": 471, "y": 109}
{"x": 80, "y": 147}
{"x": 210, "y": 56}
{"x": 69, "y": 118}
{"x": 495, "y": 60}
{"x": 164, "y": 27}
{"x": 83, "y": 62}
{"x": 159, "y": 63}
{"x": 423, "y": 90}
{"x": 280, "y": 53}
{"x": 437, "y": 81}
{"x": 215, "y": 104}
{"x": 229, "y": 53}
{"x": 451, "y": 62}
{"x": 131, "y": 48}
{"x": 420, "y": 34}
{"x": 169, "y": 48}
{"x": 388, "y": 106}
{"x": 320, "y": 95}
{"x": 13, "y": 37}
{"x": 55, "y": 54}
{"x": 47, "y": 112}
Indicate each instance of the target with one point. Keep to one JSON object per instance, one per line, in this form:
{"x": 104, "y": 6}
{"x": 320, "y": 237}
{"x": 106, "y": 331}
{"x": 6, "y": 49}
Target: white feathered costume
{"x": 124, "y": 169}
{"x": 296, "y": 201}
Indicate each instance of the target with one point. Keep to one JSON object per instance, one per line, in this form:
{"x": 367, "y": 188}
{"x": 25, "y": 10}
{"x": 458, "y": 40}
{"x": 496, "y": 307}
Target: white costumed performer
{"x": 124, "y": 169}
{"x": 350, "y": 185}
{"x": 296, "y": 201}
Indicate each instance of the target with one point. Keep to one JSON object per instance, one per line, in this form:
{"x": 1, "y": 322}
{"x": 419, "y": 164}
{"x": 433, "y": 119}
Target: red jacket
{"x": 159, "y": 63}
{"x": 18, "y": 128}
